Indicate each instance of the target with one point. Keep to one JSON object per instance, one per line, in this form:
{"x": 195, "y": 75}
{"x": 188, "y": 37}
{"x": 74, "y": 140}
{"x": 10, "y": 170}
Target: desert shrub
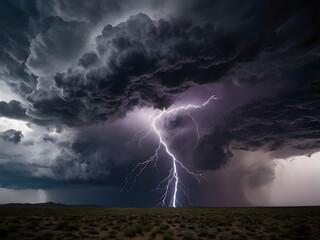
{"x": 191, "y": 227}
{"x": 243, "y": 236}
{"x": 147, "y": 227}
{"x": 164, "y": 226}
{"x": 225, "y": 236}
{"x": 72, "y": 227}
{"x": 13, "y": 227}
{"x": 84, "y": 235}
{"x": 92, "y": 224}
{"x": 104, "y": 228}
{"x": 112, "y": 235}
{"x": 157, "y": 222}
{"x": 211, "y": 233}
{"x": 92, "y": 231}
{"x": 3, "y": 232}
{"x": 273, "y": 236}
{"x": 62, "y": 225}
{"x": 152, "y": 235}
{"x": 116, "y": 227}
{"x": 130, "y": 231}
{"x": 260, "y": 236}
{"x": 203, "y": 233}
{"x": 33, "y": 224}
{"x": 272, "y": 228}
{"x": 47, "y": 235}
{"x": 167, "y": 236}
{"x": 285, "y": 234}
{"x": 190, "y": 220}
{"x": 303, "y": 229}
{"x": 180, "y": 234}
{"x": 71, "y": 235}
{"x": 188, "y": 235}
{"x": 140, "y": 229}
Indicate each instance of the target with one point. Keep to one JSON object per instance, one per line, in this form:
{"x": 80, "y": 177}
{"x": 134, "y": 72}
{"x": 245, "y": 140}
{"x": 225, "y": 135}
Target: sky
{"x": 160, "y": 102}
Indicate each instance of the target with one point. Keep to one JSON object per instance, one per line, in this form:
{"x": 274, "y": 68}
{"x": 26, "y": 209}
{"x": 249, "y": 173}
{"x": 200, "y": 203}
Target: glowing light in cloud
{"x": 173, "y": 179}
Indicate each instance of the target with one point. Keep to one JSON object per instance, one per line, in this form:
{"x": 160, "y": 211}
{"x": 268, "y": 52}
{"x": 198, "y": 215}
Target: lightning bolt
{"x": 172, "y": 179}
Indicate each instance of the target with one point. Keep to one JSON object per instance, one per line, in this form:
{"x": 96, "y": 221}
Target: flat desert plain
{"x": 159, "y": 223}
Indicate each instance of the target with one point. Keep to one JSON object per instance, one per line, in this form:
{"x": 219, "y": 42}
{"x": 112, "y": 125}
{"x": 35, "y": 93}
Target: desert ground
{"x": 159, "y": 223}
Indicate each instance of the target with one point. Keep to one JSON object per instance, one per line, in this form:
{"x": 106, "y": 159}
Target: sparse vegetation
{"x": 159, "y": 223}
{"x": 130, "y": 231}
{"x": 188, "y": 235}
{"x": 167, "y": 236}
{"x": 225, "y": 236}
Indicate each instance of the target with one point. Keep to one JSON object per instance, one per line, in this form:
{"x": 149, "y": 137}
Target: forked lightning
{"x": 172, "y": 180}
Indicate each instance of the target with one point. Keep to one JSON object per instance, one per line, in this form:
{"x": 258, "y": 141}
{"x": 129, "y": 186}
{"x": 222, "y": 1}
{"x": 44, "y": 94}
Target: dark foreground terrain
{"x": 34, "y": 222}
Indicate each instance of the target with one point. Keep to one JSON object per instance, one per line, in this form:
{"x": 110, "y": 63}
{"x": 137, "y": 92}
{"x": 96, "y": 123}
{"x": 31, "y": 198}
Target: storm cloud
{"x": 88, "y": 77}
{"x": 11, "y": 135}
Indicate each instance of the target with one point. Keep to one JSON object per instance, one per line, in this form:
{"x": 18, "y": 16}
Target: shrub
{"x": 152, "y": 235}
{"x": 92, "y": 231}
{"x": 167, "y": 236}
{"x": 203, "y": 233}
{"x": 140, "y": 229}
{"x": 147, "y": 227}
{"x": 188, "y": 235}
{"x": 130, "y": 231}
{"x": 84, "y": 235}
{"x": 191, "y": 227}
{"x": 104, "y": 228}
{"x": 164, "y": 227}
{"x": 111, "y": 235}
{"x": 273, "y": 236}
{"x": 225, "y": 236}
{"x": 3, "y": 232}
{"x": 303, "y": 229}
{"x": 211, "y": 233}
{"x": 71, "y": 235}
{"x": 157, "y": 222}
{"x": 242, "y": 235}
{"x": 72, "y": 227}
{"x": 63, "y": 225}
{"x": 47, "y": 235}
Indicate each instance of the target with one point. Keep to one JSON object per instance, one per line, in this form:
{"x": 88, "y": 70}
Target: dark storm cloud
{"x": 70, "y": 78}
{"x": 122, "y": 73}
{"x": 82, "y": 11}
{"x": 103, "y": 155}
{"x": 11, "y": 135}
{"x": 52, "y": 50}
{"x": 145, "y": 62}
{"x": 14, "y": 40}
{"x": 288, "y": 123}
{"x": 12, "y": 109}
